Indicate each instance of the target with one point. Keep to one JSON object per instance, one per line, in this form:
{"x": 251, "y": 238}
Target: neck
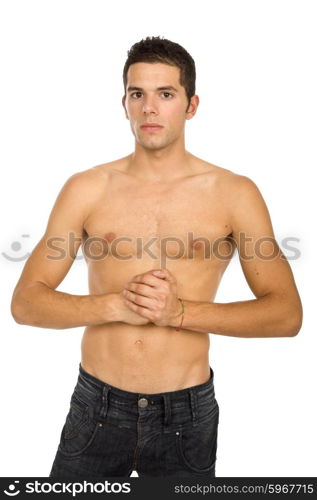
{"x": 166, "y": 164}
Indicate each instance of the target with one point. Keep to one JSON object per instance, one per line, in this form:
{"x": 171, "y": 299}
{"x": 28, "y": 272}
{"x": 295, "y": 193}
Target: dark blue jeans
{"x": 109, "y": 432}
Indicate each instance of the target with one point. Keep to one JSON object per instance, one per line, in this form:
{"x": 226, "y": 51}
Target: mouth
{"x": 151, "y": 127}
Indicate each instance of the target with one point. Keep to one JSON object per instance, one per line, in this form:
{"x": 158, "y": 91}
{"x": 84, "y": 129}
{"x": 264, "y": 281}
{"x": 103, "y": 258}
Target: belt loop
{"x": 104, "y": 405}
{"x": 167, "y": 409}
{"x": 194, "y": 406}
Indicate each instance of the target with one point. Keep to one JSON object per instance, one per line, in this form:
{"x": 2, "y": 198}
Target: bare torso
{"x": 134, "y": 226}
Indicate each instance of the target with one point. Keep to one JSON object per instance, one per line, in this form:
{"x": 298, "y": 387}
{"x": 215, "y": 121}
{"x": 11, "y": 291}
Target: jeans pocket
{"x": 197, "y": 445}
{"x": 78, "y": 416}
{"x": 79, "y": 429}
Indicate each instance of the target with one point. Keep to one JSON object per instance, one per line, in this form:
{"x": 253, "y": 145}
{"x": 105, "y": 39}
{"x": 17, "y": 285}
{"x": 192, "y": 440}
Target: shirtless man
{"x": 144, "y": 399}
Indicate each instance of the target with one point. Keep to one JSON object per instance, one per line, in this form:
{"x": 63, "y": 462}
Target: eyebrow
{"x": 165, "y": 87}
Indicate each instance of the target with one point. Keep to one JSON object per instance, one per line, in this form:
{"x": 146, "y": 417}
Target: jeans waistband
{"x": 203, "y": 390}
{"x": 191, "y": 397}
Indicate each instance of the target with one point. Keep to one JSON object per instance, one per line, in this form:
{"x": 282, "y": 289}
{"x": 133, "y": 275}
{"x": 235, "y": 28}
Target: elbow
{"x": 25, "y": 306}
{"x": 16, "y": 314}
{"x": 295, "y": 329}
{"x": 295, "y": 321}
{"x": 17, "y": 310}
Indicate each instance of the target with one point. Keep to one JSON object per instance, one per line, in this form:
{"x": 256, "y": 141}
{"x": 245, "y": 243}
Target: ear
{"x": 192, "y": 108}
{"x": 123, "y": 104}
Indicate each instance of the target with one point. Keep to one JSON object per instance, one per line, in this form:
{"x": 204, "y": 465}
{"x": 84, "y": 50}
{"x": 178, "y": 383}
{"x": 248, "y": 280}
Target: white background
{"x": 61, "y": 89}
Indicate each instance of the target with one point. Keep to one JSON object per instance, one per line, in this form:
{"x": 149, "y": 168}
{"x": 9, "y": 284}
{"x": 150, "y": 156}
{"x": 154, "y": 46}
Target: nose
{"x": 149, "y": 106}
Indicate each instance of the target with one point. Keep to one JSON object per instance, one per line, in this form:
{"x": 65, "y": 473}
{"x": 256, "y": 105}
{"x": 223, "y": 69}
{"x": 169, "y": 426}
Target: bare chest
{"x": 187, "y": 220}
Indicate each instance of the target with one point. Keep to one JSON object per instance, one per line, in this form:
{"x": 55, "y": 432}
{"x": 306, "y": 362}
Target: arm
{"x": 35, "y": 301}
{"x": 39, "y": 305}
{"x": 261, "y": 317}
{"x": 275, "y": 312}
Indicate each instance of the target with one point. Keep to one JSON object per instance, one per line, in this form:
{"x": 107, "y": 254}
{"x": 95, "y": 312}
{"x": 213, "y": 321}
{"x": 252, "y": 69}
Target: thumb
{"x": 164, "y": 273}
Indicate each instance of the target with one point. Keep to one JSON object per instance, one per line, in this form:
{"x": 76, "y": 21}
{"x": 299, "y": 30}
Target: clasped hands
{"x": 153, "y": 295}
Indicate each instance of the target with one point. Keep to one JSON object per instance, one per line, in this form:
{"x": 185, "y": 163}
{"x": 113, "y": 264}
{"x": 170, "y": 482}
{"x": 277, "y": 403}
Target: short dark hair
{"x": 155, "y": 49}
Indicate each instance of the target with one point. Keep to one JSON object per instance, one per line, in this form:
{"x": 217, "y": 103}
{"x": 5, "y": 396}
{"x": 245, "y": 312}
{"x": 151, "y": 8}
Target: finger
{"x": 140, "y": 289}
{"x": 139, "y": 300}
{"x": 146, "y": 279}
{"x": 143, "y": 311}
{"x": 165, "y": 274}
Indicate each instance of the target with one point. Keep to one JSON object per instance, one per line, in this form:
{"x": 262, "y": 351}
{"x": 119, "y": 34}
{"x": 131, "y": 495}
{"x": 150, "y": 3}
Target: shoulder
{"x": 239, "y": 194}
{"x": 95, "y": 177}
{"x": 244, "y": 193}
{"x": 232, "y": 182}
{"x": 242, "y": 187}
{"x": 201, "y": 166}
{"x": 247, "y": 207}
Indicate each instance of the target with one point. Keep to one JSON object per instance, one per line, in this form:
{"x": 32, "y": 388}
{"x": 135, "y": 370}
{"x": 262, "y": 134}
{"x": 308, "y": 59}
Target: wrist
{"x": 177, "y": 319}
{"x": 112, "y": 306}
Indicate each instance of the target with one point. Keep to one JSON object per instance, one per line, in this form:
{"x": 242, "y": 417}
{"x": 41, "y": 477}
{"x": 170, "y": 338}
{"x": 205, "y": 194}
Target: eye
{"x": 166, "y": 94}
{"x": 135, "y": 95}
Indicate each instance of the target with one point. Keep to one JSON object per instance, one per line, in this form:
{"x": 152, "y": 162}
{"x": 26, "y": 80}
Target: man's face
{"x": 154, "y": 95}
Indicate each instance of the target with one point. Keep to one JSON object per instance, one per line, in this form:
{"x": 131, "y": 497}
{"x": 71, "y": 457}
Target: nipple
{"x": 110, "y": 237}
{"x": 197, "y": 244}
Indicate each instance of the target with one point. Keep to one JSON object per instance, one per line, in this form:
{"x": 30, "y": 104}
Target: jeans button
{"x": 143, "y": 402}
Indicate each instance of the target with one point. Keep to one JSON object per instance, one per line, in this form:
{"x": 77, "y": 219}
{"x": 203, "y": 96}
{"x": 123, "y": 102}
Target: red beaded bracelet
{"x": 182, "y": 313}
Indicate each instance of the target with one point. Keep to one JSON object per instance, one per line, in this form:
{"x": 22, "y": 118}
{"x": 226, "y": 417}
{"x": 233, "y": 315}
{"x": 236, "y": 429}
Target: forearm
{"x": 266, "y": 316}
{"x": 41, "y": 306}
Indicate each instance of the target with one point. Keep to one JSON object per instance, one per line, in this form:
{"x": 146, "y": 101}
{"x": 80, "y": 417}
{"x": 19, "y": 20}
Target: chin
{"x": 153, "y": 144}
{"x": 150, "y": 144}
{"x": 154, "y": 147}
